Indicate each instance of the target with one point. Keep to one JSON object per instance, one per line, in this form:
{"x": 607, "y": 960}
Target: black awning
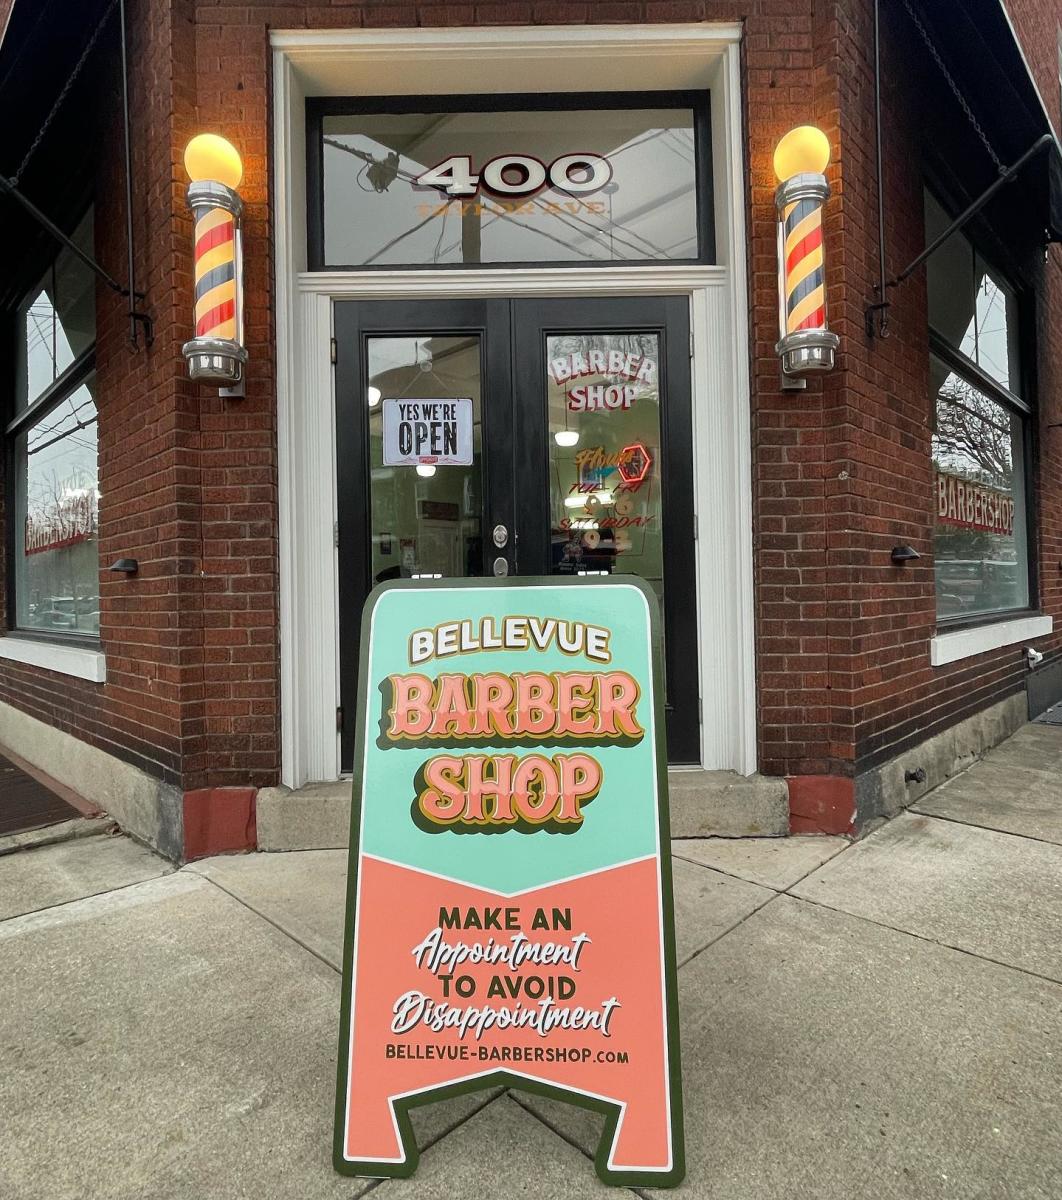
{"x": 980, "y": 47}
{"x": 42, "y": 45}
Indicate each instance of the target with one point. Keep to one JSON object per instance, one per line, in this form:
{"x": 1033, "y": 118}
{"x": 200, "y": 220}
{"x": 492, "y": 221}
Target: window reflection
{"x": 980, "y": 542}
{"x": 375, "y": 214}
{"x": 57, "y": 502}
{"x": 970, "y": 307}
{"x": 57, "y": 321}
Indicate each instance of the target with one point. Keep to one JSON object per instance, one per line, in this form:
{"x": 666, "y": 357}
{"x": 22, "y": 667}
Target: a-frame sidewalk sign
{"x": 509, "y": 911}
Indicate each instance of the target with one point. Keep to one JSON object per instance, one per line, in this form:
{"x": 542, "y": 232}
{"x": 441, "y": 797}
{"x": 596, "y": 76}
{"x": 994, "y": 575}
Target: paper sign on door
{"x": 435, "y": 432}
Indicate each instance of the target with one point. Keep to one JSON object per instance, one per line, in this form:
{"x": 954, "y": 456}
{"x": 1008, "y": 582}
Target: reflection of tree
{"x": 641, "y": 344}
{"x": 974, "y": 430}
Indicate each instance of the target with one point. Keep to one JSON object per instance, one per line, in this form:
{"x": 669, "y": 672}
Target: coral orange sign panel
{"x": 509, "y": 911}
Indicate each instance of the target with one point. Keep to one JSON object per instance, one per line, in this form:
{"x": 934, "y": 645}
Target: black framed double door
{"x": 518, "y": 437}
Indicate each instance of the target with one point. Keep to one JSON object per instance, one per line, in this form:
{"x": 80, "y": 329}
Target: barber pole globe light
{"x": 806, "y": 344}
{"x": 216, "y": 354}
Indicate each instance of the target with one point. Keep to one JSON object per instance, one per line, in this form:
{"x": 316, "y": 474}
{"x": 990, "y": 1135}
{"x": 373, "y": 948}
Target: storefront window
{"x": 980, "y": 543}
{"x": 970, "y": 307}
{"x": 979, "y": 433}
{"x": 54, "y": 535}
{"x": 519, "y": 186}
{"x": 56, "y": 322}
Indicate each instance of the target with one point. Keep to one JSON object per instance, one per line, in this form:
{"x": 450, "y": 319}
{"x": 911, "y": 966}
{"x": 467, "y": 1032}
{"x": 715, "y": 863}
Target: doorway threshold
{"x": 316, "y": 816}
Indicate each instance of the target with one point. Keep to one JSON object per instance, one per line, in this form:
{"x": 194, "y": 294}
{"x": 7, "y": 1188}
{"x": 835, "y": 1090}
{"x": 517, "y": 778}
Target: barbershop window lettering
{"x": 519, "y": 180}
{"x": 52, "y": 432}
{"x": 979, "y": 415}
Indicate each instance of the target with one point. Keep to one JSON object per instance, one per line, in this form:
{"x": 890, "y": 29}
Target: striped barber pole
{"x": 216, "y": 353}
{"x": 805, "y": 276}
{"x": 215, "y": 274}
{"x": 806, "y": 344}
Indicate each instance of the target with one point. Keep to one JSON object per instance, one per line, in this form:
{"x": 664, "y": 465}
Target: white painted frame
{"x": 539, "y": 59}
{"x": 949, "y": 647}
{"x": 81, "y": 662}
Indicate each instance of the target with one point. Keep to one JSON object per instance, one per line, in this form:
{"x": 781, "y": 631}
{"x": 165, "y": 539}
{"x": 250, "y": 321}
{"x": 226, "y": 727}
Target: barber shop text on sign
{"x": 435, "y": 432}
{"x": 509, "y": 915}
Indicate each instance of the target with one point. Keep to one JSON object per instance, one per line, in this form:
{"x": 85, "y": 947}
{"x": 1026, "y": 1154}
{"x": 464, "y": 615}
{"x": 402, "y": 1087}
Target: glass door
{"x": 529, "y": 437}
{"x": 424, "y": 441}
{"x": 602, "y": 391}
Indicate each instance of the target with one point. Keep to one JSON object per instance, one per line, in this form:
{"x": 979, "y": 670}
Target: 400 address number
{"x": 519, "y": 175}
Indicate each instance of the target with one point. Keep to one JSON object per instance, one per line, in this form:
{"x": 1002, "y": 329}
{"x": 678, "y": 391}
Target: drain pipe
{"x": 880, "y": 310}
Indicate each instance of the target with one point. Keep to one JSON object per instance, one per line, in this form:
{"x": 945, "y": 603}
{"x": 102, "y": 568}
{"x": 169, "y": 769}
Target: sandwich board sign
{"x": 509, "y": 913}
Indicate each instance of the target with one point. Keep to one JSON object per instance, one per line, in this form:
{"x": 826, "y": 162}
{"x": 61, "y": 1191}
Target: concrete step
{"x": 703, "y": 804}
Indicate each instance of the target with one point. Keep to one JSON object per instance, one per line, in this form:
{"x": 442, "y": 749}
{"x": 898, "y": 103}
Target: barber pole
{"x": 806, "y": 344}
{"x": 216, "y": 354}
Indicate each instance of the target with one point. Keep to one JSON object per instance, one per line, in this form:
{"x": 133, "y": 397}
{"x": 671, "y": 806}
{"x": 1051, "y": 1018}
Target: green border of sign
{"x": 406, "y": 1168}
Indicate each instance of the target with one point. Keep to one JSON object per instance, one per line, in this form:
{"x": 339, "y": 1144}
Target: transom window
{"x": 520, "y": 180}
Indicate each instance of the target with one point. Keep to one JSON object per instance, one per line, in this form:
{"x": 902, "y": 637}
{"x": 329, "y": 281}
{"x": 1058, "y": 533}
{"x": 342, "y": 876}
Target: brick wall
{"x": 188, "y": 480}
{"x": 1037, "y": 23}
{"x": 842, "y": 470}
{"x": 897, "y": 698}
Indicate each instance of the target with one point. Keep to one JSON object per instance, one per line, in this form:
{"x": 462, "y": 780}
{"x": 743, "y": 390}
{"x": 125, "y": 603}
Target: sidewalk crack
{"x": 930, "y": 941}
{"x": 268, "y": 919}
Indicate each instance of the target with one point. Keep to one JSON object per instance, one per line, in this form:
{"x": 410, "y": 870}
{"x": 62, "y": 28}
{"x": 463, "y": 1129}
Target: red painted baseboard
{"x": 219, "y": 821}
{"x": 821, "y": 804}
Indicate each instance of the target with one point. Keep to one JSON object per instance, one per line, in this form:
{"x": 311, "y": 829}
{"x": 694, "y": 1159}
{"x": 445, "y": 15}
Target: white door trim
{"x": 364, "y": 62}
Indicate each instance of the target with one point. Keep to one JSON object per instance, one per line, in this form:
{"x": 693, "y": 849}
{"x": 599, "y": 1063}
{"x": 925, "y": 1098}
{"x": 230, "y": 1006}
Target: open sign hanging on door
{"x": 437, "y": 432}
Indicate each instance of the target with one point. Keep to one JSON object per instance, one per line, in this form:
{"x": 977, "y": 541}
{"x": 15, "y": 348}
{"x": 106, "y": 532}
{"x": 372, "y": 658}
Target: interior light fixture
{"x": 575, "y": 500}
{"x": 425, "y": 470}
{"x": 566, "y": 437}
{"x": 374, "y": 396}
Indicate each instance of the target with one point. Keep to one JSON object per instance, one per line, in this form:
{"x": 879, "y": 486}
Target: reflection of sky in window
{"x": 61, "y": 452}
{"x": 986, "y": 339}
{"x": 58, "y": 321}
{"x": 39, "y": 342}
{"x": 647, "y": 212}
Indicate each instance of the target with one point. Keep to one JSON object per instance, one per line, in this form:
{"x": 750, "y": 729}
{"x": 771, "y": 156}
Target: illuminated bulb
{"x": 604, "y": 496}
{"x": 425, "y": 470}
{"x": 374, "y": 397}
{"x": 804, "y": 150}
{"x": 210, "y": 157}
{"x": 575, "y": 501}
{"x": 566, "y": 437}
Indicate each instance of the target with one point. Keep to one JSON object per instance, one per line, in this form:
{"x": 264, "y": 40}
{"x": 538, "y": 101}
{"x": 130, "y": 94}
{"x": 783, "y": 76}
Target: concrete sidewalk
{"x": 874, "y": 1020}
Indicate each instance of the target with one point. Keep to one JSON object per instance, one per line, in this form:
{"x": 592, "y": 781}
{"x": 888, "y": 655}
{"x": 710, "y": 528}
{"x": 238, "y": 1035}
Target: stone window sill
{"x": 82, "y": 662}
{"x": 965, "y": 643}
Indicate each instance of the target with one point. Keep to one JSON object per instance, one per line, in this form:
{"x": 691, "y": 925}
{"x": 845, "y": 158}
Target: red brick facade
{"x": 842, "y": 471}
